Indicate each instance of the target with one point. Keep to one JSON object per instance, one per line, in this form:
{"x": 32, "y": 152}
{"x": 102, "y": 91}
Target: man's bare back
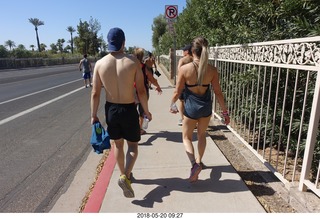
{"x": 117, "y": 72}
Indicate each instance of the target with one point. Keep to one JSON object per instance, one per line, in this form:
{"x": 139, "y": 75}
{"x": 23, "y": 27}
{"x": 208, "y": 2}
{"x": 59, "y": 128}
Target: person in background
{"x": 150, "y": 64}
{"x": 197, "y": 79}
{"x": 148, "y": 78}
{"x": 117, "y": 72}
{"x": 187, "y": 58}
{"x": 86, "y": 67}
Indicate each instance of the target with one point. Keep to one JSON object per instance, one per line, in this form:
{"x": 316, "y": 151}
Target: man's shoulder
{"x": 185, "y": 59}
{"x": 110, "y": 59}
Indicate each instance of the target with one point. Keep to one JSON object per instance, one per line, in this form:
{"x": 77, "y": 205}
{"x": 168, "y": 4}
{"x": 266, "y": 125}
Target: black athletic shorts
{"x": 122, "y": 121}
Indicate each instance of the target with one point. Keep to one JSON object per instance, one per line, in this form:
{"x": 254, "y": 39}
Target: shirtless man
{"x": 87, "y": 69}
{"x": 150, "y": 63}
{"x": 116, "y": 73}
{"x": 187, "y": 57}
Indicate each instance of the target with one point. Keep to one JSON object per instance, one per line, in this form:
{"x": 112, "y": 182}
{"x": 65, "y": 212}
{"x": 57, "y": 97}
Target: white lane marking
{"x": 37, "y": 107}
{"x": 17, "y": 98}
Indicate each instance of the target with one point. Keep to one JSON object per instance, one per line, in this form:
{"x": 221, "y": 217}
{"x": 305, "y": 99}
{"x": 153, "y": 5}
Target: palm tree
{"x": 10, "y": 44}
{"x": 36, "y": 23}
{"x": 32, "y": 47}
{"x": 71, "y": 30}
{"x": 60, "y": 43}
{"x": 43, "y": 47}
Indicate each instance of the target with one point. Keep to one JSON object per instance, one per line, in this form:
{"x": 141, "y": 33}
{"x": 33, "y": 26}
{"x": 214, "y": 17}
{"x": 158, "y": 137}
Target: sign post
{"x": 171, "y": 12}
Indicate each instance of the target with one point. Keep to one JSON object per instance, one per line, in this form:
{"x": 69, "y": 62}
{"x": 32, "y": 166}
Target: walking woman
{"x": 198, "y": 78}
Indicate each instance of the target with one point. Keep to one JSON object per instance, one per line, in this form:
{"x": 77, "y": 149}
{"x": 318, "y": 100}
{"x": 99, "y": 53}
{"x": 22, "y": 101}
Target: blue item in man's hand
{"x": 100, "y": 139}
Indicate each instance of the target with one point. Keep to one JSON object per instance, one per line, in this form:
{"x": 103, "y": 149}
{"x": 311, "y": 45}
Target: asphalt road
{"x": 45, "y": 132}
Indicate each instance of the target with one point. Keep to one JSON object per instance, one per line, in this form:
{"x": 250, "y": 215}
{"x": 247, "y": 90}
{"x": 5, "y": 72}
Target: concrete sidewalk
{"x": 162, "y": 169}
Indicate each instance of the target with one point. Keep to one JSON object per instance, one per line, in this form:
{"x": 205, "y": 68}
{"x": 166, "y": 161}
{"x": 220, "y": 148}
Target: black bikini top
{"x": 194, "y": 85}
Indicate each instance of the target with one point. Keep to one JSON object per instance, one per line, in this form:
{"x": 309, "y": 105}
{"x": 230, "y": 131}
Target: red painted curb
{"x": 97, "y": 195}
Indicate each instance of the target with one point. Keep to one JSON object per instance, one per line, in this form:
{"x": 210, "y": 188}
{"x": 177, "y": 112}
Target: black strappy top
{"x": 197, "y": 106}
{"x": 194, "y": 85}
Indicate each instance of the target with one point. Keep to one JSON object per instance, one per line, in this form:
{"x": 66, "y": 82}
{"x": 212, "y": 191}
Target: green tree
{"x": 54, "y": 48}
{"x": 103, "y": 46}
{"x": 71, "y": 30}
{"x": 10, "y": 44}
{"x": 87, "y": 40}
{"x": 21, "y": 52}
{"x": 43, "y": 47}
{"x": 32, "y": 47}
{"x": 36, "y": 23}
{"x": 3, "y": 52}
{"x": 59, "y": 44}
{"x": 159, "y": 28}
{"x": 67, "y": 49}
{"x": 226, "y": 22}
{"x": 21, "y": 47}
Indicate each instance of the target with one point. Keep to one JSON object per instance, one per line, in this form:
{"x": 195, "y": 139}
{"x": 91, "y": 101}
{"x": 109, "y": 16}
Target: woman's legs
{"x": 187, "y": 132}
{"x": 202, "y": 134}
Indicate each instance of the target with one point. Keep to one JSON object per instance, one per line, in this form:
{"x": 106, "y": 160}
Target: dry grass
{"x": 98, "y": 171}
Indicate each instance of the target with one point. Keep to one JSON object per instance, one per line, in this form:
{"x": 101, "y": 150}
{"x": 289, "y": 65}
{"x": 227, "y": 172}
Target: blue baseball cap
{"x": 115, "y": 39}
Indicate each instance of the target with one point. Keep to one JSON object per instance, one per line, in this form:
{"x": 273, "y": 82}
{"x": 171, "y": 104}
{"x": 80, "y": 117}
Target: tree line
{"x": 87, "y": 41}
{"x": 228, "y": 22}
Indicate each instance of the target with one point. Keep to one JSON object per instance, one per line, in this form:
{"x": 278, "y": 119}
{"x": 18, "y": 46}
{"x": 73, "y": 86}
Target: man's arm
{"x": 141, "y": 90}
{"x": 153, "y": 80}
{"x": 95, "y": 95}
{"x": 154, "y": 63}
{"x": 80, "y": 64}
{"x": 90, "y": 66}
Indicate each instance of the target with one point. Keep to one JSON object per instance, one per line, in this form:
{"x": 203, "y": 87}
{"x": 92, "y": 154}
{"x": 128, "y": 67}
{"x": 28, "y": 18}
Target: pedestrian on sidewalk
{"x": 150, "y": 62}
{"x": 197, "y": 79}
{"x": 117, "y": 72}
{"x": 86, "y": 68}
{"x": 148, "y": 79}
{"x": 187, "y": 58}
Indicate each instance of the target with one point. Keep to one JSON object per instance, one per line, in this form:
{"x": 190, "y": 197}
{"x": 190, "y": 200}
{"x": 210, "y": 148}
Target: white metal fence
{"x": 273, "y": 94}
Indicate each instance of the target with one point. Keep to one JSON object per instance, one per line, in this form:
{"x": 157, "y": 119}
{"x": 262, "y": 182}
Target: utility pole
{"x": 171, "y": 12}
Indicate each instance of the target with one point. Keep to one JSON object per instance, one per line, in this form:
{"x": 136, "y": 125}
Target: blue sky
{"x": 135, "y": 17}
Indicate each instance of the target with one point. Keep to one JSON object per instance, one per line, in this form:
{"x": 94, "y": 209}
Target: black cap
{"x": 187, "y": 48}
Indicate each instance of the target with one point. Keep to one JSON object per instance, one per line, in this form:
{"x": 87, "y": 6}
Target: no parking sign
{"x": 171, "y": 12}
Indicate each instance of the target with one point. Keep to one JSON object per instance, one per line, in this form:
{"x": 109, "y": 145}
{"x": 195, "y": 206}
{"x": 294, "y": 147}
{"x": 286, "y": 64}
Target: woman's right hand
{"x": 174, "y": 108}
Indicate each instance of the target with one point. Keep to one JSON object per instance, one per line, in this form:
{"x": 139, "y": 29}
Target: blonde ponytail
{"x": 200, "y": 49}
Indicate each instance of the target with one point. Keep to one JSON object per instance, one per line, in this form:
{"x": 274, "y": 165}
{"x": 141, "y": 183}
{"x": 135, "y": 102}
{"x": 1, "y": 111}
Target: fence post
{"x": 311, "y": 136}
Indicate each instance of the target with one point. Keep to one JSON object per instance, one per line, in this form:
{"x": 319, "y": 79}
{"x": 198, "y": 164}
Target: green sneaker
{"x": 125, "y": 185}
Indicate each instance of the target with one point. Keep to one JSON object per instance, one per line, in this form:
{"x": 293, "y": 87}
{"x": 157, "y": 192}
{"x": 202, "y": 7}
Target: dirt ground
{"x": 268, "y": 198}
